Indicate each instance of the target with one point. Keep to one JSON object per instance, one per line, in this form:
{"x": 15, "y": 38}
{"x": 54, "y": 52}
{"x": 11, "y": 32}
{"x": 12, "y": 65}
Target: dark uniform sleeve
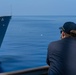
{"x": 49, "y": 53}
{"x": 54, "y": 61}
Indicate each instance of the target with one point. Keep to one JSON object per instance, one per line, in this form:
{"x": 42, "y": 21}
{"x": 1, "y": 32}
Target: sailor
{"x": 61, "y": 55}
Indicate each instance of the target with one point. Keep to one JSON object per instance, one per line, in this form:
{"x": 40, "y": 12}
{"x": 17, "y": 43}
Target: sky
{"x": 38, "y": 7}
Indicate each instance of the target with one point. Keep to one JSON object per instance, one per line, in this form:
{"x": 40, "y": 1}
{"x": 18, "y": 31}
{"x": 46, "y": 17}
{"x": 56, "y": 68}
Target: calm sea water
{"x": 26, "y": 40}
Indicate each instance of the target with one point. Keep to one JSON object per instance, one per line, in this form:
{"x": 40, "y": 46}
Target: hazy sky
{"x": 38, "y": 7}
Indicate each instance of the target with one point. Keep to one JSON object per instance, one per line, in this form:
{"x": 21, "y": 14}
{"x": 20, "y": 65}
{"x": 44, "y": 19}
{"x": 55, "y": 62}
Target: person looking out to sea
{"x": 61, "y": 55}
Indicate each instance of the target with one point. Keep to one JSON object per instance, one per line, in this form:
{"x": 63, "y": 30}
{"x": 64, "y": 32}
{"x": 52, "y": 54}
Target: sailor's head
{"x": 68, "y": 29}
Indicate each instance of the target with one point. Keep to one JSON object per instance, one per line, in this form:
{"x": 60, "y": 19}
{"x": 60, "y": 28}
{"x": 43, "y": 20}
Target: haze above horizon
{"x": 37, "y": 7}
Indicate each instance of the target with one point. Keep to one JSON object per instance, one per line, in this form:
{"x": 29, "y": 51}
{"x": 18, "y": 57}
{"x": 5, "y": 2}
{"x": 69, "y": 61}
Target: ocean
{"x": 26, "y": 41}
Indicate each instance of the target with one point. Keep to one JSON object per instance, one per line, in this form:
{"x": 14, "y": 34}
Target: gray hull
{"x": 4, "y": 21}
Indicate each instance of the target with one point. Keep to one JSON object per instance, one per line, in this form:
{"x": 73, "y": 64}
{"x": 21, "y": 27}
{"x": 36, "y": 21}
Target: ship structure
{"x": 4, "y": 21}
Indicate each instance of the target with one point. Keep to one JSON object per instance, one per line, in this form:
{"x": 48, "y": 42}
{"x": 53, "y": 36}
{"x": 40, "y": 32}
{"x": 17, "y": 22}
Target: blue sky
{"x": 38, "y": 7}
